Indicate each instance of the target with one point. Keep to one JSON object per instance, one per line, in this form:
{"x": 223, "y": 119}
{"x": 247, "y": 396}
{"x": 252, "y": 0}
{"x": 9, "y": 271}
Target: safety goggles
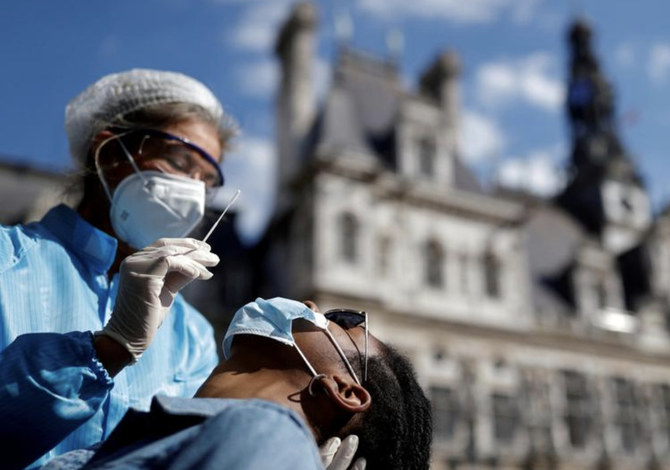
{"x": 178, "y": 154}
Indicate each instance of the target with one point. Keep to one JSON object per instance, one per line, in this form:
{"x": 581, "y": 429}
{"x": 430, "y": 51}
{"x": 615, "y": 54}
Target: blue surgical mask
{"x": 272, "y": 319}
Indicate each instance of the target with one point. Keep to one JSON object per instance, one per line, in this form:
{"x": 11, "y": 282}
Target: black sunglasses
{"x": 348, "y": 319}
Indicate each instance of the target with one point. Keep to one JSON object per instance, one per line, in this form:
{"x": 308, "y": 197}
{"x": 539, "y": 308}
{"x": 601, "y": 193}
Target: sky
{"x": 514, "y": 68}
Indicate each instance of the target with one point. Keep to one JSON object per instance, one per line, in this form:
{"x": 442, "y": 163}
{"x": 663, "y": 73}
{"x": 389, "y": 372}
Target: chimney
{"x": 439, "y": 83}
{"x": 296, "y": 102}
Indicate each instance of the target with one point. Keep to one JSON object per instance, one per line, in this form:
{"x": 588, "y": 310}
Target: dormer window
{"x": 427, "y": 154}
{"x": 600, "y": 290}
{"x": 348, "y": 237}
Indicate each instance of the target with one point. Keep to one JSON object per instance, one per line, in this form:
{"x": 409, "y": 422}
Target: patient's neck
{"x": 232, "y": 380}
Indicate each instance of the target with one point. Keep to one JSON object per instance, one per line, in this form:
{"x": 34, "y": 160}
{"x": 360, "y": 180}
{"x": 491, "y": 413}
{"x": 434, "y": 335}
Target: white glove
{"x": 150, "y": 279}
{"x": 337, "y": 455}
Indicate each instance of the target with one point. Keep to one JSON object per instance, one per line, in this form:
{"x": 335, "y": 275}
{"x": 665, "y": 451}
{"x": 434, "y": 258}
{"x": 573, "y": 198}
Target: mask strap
{"x": 309, "y": 366}
{"x": 343, "y": 356}
{"x": 98, "y": 169}
{"x": 310, "y": 390}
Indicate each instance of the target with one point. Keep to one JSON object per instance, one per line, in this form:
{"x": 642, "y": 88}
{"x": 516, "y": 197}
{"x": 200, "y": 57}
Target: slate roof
{"x": 360, "y": 114}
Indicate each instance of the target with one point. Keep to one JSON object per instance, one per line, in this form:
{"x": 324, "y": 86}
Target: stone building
{"x": 538, "y": 327}
{"x": 27, "y": 193}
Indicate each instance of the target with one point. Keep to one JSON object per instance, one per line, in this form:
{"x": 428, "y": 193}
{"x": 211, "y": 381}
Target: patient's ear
{"x": 346, "y": 394}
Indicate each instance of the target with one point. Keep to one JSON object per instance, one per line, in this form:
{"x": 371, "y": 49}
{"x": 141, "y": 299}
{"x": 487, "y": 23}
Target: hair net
{"x": 120, "y": 93}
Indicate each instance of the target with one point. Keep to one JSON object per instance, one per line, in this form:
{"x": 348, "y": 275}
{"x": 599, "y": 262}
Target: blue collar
{"x": 96, "y": 248}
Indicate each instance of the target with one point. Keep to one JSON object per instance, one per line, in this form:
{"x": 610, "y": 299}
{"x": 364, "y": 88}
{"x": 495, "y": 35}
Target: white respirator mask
{"x": 148, "y": 205}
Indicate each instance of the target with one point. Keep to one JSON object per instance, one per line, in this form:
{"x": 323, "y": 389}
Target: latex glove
{"x": 149, "y": 281}
{"x": 337, "y": 455}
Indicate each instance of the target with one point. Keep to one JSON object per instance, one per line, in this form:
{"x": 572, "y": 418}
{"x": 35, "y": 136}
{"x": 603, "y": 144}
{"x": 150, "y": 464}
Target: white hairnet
{"x": 116, "y": 94}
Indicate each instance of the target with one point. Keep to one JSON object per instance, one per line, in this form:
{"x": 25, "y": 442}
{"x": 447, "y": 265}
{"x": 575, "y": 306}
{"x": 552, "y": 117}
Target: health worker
{"x": 84, "y": 335}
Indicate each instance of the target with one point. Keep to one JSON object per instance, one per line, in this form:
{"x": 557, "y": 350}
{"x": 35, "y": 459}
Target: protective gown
{"x": 55, "y": 395}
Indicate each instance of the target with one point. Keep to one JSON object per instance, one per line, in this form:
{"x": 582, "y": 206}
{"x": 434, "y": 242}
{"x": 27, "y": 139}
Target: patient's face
{"x": 319, "y": 349}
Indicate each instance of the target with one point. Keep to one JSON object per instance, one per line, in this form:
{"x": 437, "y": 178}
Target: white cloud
{"x": 529, "y": 80}
{"x": 658, "y": 66}
{"x": 251, "y": 167}
{"x": 536, "y": 173}
{"x": 482, "y": 138}
{"x": 258, "y": 79}
{"x": 258, "y": 27}
{"x": 458, "y": 11}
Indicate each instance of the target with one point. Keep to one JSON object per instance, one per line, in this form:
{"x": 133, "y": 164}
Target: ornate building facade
{"x": 539, "y": 328}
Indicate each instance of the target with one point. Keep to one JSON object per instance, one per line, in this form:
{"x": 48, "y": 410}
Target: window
{"x": 426, "y": 150}
{"x": 627, "y": 420}
{"x": 445, "y": 412}
{"x": 578, "y": 408}
{"x": 383, "y": 256}
{"x": 601, "y": 295}
{"x": 492, "y": 275}
{"x": 664, "y": 392}
{"x": 464, "y": 275}
{"x": 348, "y": 237}
{"x": 506, "y": 417}
{"x": 434, "y": 264}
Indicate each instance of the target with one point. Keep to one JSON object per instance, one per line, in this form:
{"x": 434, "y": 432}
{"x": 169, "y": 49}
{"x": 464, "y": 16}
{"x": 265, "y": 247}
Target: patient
{"x": 292, "y": 378}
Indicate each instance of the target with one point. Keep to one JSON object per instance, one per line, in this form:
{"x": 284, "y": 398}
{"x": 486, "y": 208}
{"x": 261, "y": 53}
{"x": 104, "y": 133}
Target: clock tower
{"x": 605, "y": 191}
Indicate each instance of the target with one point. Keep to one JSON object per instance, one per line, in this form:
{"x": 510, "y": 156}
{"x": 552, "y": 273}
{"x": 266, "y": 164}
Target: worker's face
{"x": 152, "y": 152}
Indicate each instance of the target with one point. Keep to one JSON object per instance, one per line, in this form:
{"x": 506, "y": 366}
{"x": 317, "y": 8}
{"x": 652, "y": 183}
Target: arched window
{"x": 492, "y": 275}
{"x": 348, "y": 237}
{"x": 434, "y": 264}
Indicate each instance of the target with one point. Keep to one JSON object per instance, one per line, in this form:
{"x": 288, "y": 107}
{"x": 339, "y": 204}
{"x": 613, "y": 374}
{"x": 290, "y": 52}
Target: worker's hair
{"x": 165, "y": 114}
{"x": 395, "y": 433}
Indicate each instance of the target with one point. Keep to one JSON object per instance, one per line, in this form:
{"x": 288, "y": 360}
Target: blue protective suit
{"x": 55, "y": 395}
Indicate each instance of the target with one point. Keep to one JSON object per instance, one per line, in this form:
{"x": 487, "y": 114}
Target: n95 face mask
{"x": 149, "y": 205}
{"x": 271, "y": 319}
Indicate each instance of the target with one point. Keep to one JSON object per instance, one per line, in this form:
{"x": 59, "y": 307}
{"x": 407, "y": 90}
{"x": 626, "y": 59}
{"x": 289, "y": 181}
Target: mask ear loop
{"x": 315, "y": 376}
{"x": 310, "y": 390}
{"x": 98, "y": 169}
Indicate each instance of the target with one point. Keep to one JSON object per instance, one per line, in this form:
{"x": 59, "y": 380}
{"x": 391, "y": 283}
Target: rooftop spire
{"x": 590, "y": 105}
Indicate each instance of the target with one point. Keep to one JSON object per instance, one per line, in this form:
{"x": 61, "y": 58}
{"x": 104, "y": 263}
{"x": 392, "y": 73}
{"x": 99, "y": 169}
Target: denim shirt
{"x": 55, "y": 395}
{"x": 206, "y": 433}
{"x": 231, "y": 434}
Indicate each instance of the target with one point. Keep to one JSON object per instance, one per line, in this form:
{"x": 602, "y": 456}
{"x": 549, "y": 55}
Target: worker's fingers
{"x": 345, "y": 454}
{"x": 328, "y": 449}
{"x": 183, "y": 242}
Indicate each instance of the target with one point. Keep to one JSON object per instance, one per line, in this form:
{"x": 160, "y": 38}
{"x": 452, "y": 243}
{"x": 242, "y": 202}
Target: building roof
{"x": 361, "y": 111}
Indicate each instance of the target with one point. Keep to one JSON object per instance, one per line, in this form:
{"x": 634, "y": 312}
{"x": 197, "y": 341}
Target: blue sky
{"x": 513, "y": 54}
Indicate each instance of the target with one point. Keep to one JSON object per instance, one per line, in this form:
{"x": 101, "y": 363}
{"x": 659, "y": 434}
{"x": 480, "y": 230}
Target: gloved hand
{"x": 149, "y": 281}
{"x": 337, "y": 455}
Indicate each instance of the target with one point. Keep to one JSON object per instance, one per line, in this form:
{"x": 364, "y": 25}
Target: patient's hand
{"x": 337, "y": 454}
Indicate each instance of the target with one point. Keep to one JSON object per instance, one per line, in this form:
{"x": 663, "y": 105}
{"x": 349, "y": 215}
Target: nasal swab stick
{"x": 233, "y": 199}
